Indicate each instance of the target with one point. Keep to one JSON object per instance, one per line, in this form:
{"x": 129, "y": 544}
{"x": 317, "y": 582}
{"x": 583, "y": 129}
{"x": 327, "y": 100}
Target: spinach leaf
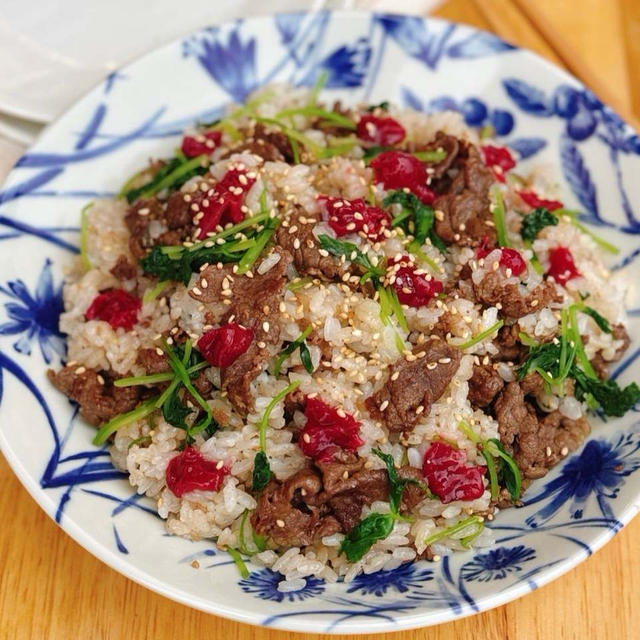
{"x": 262, "y": 473}
{"x": 535, "y": 221}
{"x": 600, "y": 320}
{"x": 397, "y": 485}
{"x": 607, "y": 394}
{"x": 305, "y": 356}
{"x": 353, "y": 253}
{"x": 376, "y": 526}
{"x": 384, "y": 105}
{"x": 174, "y": 412}
{"x": 509, "y": 470}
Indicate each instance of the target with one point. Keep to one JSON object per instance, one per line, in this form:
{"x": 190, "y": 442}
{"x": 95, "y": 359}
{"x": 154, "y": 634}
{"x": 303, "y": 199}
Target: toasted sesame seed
{"x": 159, "y": 351}
{"x": 100, "y": 379}
{"x": 384, "y": 405}
{"x": 220, "y": 464}
{"x": 265, "y": 326}
{"x": 564, "y": 451}
{"x": 444, "y": 360}
{"x": 306, "y": 437}
{"x": 395, "y": 375}
{"x": 280, "y": 523}
{"x": 196, "y": 291}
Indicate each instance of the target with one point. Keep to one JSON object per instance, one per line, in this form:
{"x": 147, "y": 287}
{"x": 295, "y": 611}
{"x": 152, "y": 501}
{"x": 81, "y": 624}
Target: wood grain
{"x": 50, "y": 588}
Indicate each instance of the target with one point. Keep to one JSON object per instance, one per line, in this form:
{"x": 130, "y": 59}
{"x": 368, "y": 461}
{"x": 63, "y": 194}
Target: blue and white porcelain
{"x": 137, "y": 113}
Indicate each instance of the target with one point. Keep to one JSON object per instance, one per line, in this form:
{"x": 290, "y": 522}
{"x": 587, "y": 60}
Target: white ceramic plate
{"x": 137, "y": 113}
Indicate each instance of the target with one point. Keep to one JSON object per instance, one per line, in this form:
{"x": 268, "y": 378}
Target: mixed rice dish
{"x": 334, "y": 340}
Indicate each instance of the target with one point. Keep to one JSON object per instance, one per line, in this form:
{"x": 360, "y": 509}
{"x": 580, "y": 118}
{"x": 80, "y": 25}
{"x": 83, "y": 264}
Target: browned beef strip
{"x": 138, "y": 217}
{"x": 152, "y": 361}
{"x": 99, "y": 401}
{"x": 464, "y": 201}
{"x": 508, "y": 342}
{"x": 535, "y": 443}
{"x": 261, "y": 148}
{"x": 493, "y": 290}
{"x": 601, "y": 365}
{"x": 419, "y": 383}
{"x": 123, "y": 269}
{"x": 290, "y": 513}
{"x": 254, "y": 302}
{"x": 484, "y": 385}
{"x": 268, "y": 143}
{"x": 178, "y": 214}
{"x": 444, "y": 142}
{"x": 307, "y": 258}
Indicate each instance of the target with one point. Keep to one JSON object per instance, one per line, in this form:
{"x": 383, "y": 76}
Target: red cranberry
{"x": 223, "y": 203}
{"x": 498, "y": 159}
{"x": 353, "y": 216}
{"x": 189, "y": 471}
{"x": 561, "y": 265}
{"x": 399, "y": 170}
{"x": 201, "y": 143}
{"x": 222, "y": 346}
{"x": 449, "y": 477}
{"x": 383, "y": 131}
{"x": 534, "y": 201}
{"x": 485, "y": 248}
{"x": 328, "y": 430}
{"x": 413, "y": 288}
{"x": 511, "y": 259}
{"x": 115, "y": 306}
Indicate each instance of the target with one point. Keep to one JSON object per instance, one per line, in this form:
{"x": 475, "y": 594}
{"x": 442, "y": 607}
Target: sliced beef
{"x": 493, "y": 290}
{"x": 417, "y": 384}
{"x": 178, "y": 214}
{"x": 535, "y": 443}
{"x": 269, "y": 144}
{"x": 290, "y": 512}
{"x": 484, "y": 385}
{"x": 261, "y": 148}
{"x": 303, "y": 246}
{"x": 601, "y": 365}
{"x": 123, "y": 269}
{"x": 152, "y": 361}
{"x": 137, "y": 219}
{"x": 463, "y": 216}
{"x": 94, "y": 392}
{"x": 508, "y": 342}
{"x": 442, "y": 142}
{"x": 254, "y": 304}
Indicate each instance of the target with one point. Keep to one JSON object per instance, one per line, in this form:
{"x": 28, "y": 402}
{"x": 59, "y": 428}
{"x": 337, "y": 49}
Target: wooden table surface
{"x": 52, "y": 588}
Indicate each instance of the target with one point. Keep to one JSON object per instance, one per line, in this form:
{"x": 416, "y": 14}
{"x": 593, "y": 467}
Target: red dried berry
{"x": 223, "y": 203}
{"x": 383, "y": 131}
{"x": 449, "y": 477}
{"x": 190, "y": 470}
{"x": 485, "y": 248}
{"x": 200, "y": 144}
{"x": 115, "y": 306}
{"x": 399, "y": 170}
{"x": 354, "y": 216}
{"x": 534, "y": 201}
{"x": 511, "y": 259}
{"x": 498, "y": 159}
{"x": 561, "y": 265}
{"x": 327, "y": 431}
{"x": 223, "y": 345}
{"x": 413, "y": 288}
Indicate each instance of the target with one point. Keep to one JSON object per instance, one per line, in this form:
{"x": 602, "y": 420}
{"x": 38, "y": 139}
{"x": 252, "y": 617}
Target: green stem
{"x": 124, "y": 419}
{"x": 155, "y": 378}
{"x": 262, "y": 425}
{"x": 152, "y": 294}
{"x": 499, "y": 215}
{"x": 331, "y": 116}
{"x": 476, "y": 521}
{"x": 430, "y": 156}
{"x": 581, "y": 356}
{"x": 237, "y": 558}
{"x": 84, "y": 237}
{"x": 481, "y": 336}
{"x": 573, "y": 218}
{"x": 177, "y": 173}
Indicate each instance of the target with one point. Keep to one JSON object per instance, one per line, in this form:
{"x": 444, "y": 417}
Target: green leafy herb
{"x": 499, "y": 215}
{"x": 155, "y": 378}
{"x": 237, "y": 558}
{"x": 321, "y": 80}
{"x": 153, "y": 293}
{"x": 261, "y": 239}
{"x": 481, "y": 336}
{"x": 174, "y": 412}
{"x": 607, "y": 394}
{"x": 122, "y": 420}
{"x": 230, "y": 245}
{"x": 376, "y": 526}
{"x": 600, "y": 320}
{"x": 84, "y": 237}
{"x": 476, "y": 523}
{"x": 416, "y": 219}
{"x": 534, "y": 222}
{"x": 261, "y": 470}
{"x": 262, "y": 473}
{"x": 312, "y": 111}
{"x": 353, "y": 253}
{"x": 397, "y": 485}
{"x": 298, "y": 343}
{"x": 170, "y": 176}
{"x": 509, "y": 471}
{"x": 384, "y": 106}
{"x": 435, "y": 155}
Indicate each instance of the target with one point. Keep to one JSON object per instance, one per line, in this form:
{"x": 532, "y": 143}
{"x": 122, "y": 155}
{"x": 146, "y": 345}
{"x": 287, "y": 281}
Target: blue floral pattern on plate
{"x": 424, "y": 64}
